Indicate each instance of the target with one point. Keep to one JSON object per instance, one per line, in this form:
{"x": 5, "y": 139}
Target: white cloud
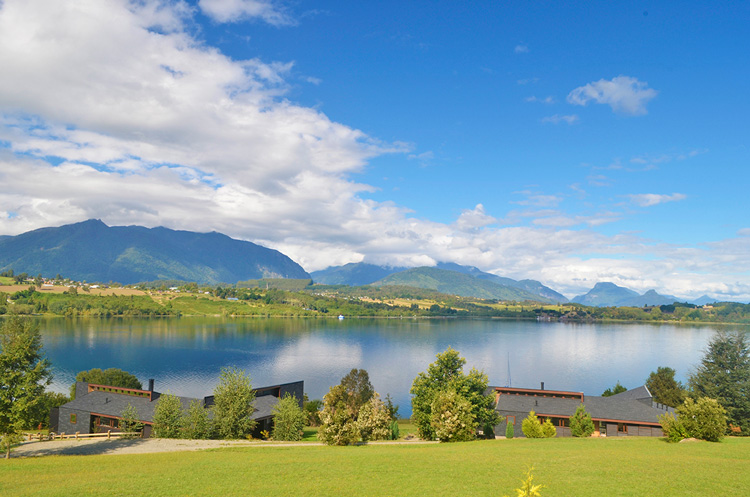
{"x": 624, "y": 94}
{"x": 472, "y": 219}
{"x": 649, "y": 199}
{"x": 521, "y": 49}
{"x": 270, "y": 11}
{"x": 557, "y": 119}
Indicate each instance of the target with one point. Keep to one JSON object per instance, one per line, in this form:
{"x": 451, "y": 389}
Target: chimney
{"x": 151, "y": 385}
{"x": 542, "y": 385}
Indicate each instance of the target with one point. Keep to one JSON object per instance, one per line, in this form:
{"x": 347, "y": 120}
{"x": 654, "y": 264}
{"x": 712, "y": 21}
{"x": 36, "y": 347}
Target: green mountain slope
{"x": 93, "y": 251}
{"x": 353, "y": 274}
{"x": 455, "y": 283}
{"x": 611, "y": 295}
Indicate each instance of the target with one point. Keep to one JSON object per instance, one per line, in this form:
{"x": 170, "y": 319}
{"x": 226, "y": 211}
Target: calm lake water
{"x": 185, "y": 355}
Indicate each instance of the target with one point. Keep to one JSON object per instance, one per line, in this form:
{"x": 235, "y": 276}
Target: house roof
{"x": 615, "y": 408}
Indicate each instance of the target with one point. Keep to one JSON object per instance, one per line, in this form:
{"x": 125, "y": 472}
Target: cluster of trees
{"x": 449, "y": 405}
{"x": 353, "y": 411}
{"x": 533, "y": 427}
{"x": 717, "y": 396}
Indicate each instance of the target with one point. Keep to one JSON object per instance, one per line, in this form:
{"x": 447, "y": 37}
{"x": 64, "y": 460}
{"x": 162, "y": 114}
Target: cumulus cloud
{"x": 546, "y": 100}
{"x": 557, "y": 119}
{"x": 624, "y": 94}
{"x": 270, "y": 11}
{"x": 521, "y": 49}
{"x": 649, "y": 199}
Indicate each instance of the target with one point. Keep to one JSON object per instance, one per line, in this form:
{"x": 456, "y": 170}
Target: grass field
{"x": 567, "y": 467}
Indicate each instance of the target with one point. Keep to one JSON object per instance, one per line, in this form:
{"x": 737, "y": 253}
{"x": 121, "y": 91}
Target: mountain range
{"x": 610, "y": 295}
{"x": 93, "y": 251}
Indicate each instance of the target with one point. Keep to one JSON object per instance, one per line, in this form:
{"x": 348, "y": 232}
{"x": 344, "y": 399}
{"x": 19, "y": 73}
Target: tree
{"x": 312, "y": 410}
{"x": 41, "y": 412}
{"x": 289, "y": 419}
{"x": 23, "y": 375}
{"x": 703, "y": 419}
{"x": 374, "y": 420}
{"x": 168, "y": 417}
{"x": 358, "y": 390}
{"x": 664, "y": 388}
{"x": 548, "y": 429}
{"x": 509, "y": 430}
{"x": 581, "y": 424}
{"x": 111, "y": 377}
{"x": 614, "y": 390}
{"x": 196, "y": 424}
{"x": 452, "y": 418}
{"x": 233, "y": 404}
{"x": 337, "y": 425}
{"x": 531, "y": 427}
{"x": 446, "y": 373}
{"x": 130, "y": 420}
{"x": 724, "y": 375}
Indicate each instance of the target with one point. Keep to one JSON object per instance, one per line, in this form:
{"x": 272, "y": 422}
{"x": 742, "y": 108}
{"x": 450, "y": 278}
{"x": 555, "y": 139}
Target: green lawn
{"x": 568, "y": 467}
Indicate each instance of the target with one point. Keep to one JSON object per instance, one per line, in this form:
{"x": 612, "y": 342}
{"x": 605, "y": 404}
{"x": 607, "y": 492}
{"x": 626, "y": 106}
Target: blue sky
{"x": 570, "y": 144}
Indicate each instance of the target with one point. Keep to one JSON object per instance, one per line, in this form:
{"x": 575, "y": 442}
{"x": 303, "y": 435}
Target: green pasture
{"x": 567, "y": 467}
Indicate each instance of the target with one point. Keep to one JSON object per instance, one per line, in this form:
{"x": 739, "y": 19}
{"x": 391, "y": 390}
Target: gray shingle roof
{"x": 613, "y": 408}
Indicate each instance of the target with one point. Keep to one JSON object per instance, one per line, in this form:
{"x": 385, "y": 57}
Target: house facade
{"x": 631, "y": 413}
{"x": 98, "y": 408}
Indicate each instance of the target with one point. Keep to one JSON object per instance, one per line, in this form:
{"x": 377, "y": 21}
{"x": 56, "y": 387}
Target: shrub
{"x": 580, "y": 423}
{"x": 374, "y": 421}
{"x": 527, "y": 488}
{"x": 168, "y": 417}
{"x": 704, "y": 419}
{"x": 531, "y": 427}
{"x": 129, "y": 422}
{"x": 289, "y": 419}
{"x": 509, "y": 430}
{"x": 337, "y": 426}
{"x": 312, "y": 410}
{"x": 672, "y": 427}
{"x": 233, "y": 404}
{"x": 196, "y": 424}
{"x": 452, "y": 419}
{"x": 548, "y": 429}
{"x": 489, "y": 431}
{"x": 395, "y": 432}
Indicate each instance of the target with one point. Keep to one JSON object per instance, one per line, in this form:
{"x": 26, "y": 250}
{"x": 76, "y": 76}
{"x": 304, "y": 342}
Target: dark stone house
{"x": 631, "y": 413}
{"x": 98, "y": 408}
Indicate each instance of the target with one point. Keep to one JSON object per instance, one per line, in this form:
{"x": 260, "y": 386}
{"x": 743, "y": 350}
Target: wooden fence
{"x": 78, "y": 435}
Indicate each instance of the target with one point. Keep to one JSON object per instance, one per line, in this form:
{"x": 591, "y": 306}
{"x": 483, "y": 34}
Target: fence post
{"x": 109, "y": 434}
{"x": 77, "y": 434}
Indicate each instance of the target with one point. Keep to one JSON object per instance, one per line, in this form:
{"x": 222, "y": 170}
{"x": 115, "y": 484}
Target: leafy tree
{"x": 614, "y": 390}
{"x": 289, "y": 419}
{"x": 168, "y": 416}
{"x": 130, "y": 420}
{"x": 337, "y": 425}
{"x": 452, "y": 417}
{"x": 531, "y": 427}
{"x": 581, "y": 424}
{"x": 233, "y": 404}
{"x": 724, "y": 375}
{"x": 391, "y": 407}
{"x": 40, "y": 415}
{"x": 196, "y": 423}
{"x": 111, "y": 377}
{"x": 358, "y": 390}
{"x": 374, "y": 420}
{"x": 664, "y": 388}
{"x": 312, "y": 410}
{"x": 703, "y": 419}
{"x": 446, "y": 373}
{"x": 23, "y": 376}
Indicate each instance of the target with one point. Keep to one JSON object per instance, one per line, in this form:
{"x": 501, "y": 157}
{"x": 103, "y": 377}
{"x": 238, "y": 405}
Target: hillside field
{"x": 566, "y": 466}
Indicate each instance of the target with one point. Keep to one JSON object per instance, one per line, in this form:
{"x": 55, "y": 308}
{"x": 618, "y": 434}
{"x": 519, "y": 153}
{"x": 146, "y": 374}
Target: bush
{"x": 129, "y": 422}
{"x": 548, "y": 429}
{"x": 196, "y": 424}
{"x": 395, "y": 432}
{"x": 509, "y": 430}
{"x": 489, "y": 431}
{"x": 704, "y": 419}
{"x": 452, "y": 419}
{"x": 233, "y": 404}
{"x": 312, "y": 410}
{"x": 337, "y": 426}
{"x": 531, "y": 427}
{"x": 289, "y": 419}
{"x": 374, "y": 421}
{"x": 580, "y": 423}
{"x": 672, "y": 427}
{"x": 168, "y": 417}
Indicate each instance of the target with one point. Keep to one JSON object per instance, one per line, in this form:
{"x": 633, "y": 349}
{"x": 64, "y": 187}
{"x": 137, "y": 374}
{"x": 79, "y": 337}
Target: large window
{"x": 73, "y": 418}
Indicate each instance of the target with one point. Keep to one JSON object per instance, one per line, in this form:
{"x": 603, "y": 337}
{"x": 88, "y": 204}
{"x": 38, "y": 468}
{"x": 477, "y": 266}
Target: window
{"x": 73, "y": 418}
{"x": 510, "y": 420}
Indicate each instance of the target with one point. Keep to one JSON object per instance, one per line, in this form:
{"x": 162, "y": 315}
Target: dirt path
{"x": 148, "y": 445}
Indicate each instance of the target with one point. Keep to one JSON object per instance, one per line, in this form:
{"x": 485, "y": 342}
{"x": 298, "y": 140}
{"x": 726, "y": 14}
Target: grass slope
{"x": 567, "y": 467}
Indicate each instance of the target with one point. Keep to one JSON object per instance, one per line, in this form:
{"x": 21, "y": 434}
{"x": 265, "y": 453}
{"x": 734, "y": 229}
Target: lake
{"x": 185, "y": 355}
